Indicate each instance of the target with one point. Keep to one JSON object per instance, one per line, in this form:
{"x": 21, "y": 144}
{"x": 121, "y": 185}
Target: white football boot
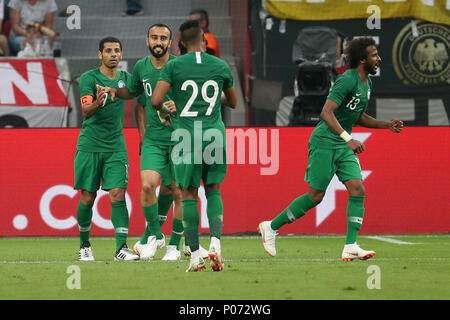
{"x": 353, "y": 251}
{"x": 146, "y": 251}
{"x": 125, "y": 254}
{"x": 268, "y": 237}
{"x": 85, "y": 253}
{"x": 197, "y": 263}
{"x": 161, "y": 243}
{"x": 215, "y": 255}
{"x": 172, "y": 254}
{"x": 203, "y": 252}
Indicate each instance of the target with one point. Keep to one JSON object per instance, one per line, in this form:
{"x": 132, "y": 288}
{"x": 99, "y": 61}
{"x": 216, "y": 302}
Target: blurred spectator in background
{"x": 134, "y": 8}
{"x": 341, "y": 61}
{"x": 4, "y": 48}
{"x": 22, "y": 12}
{"x": 33, "y": 43}
{"x": 212, "y": 46}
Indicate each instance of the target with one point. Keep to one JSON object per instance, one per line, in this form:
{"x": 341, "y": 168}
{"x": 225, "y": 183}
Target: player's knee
{"x": 148, "y": 188}
{"x": 316, "y": 195}
{"x": 356, "y": 188}
{"x": 177, "y": 195}
{"x": 165, "y": 190}
{"x": 88, "y": 198}
{"x": 211, "y": 187}
{"x": 190, "y": 193}
{"x": 117, "y": 195}
{"x": 361, "y": 191}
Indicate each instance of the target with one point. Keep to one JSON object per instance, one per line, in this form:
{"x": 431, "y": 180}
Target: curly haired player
{"x": 332, "y": 150}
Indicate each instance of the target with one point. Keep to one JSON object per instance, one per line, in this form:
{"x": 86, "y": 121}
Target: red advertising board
{"x": 31, "y": 83}
{"x": 406, "y": 176}
{"x": 32, "y": 94}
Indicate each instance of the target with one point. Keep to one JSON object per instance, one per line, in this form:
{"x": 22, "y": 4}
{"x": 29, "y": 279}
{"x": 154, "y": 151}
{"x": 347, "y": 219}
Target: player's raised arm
{"x": 122, "y": 93}
{"x": 89, "y": 107}
{"x": 165, "y": 109}
{"x": 162, "y": 88}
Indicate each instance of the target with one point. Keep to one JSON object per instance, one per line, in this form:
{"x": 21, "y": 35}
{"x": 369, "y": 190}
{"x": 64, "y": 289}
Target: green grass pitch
{"x": 306, "y": 267}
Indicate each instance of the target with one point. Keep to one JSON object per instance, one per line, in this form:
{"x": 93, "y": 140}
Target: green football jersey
{"x": 197, "y": 80}
{"x": 102, "y": 132}
{"x": 145, "y": 77}
{"x": 352, "y": 96}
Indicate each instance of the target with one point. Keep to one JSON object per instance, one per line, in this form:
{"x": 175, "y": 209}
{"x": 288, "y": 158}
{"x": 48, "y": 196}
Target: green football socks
{"x": 191, "y": 220}
{"x": 294, "y": 211}
{"x": 84, "y": 218}
{"x": 355, "y": 214}
{"x": 119, "y": 219}
{"x": 177, "y": 233}
{"x": 214, "y": 210}
{"x": 153, "y": 226}
{"x": 164, "y": 204}
{"x": 162, "y": 209}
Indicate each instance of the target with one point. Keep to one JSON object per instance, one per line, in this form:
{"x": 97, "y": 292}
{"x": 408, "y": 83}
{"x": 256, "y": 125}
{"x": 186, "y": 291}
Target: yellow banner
{"x": 437, "y": 11}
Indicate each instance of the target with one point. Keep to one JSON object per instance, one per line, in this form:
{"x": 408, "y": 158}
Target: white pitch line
{"x": 390, "y": 240}
{"x": 226, "y": 260}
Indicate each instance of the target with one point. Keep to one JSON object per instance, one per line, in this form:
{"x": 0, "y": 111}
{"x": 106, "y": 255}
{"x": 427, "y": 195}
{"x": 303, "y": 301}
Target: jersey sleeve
{"x": 341, "y": 88}
{"x": 87, "y": 85}
{"x": 135, "y": 84}
{"x": 129, "y": 79}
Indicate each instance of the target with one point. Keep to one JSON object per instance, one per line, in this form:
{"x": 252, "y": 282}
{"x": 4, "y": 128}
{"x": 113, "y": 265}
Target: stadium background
{"x": 407, "y": 175}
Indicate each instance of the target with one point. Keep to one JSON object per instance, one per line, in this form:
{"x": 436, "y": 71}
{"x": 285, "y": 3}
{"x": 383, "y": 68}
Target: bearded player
{"x": 332, "y": 150}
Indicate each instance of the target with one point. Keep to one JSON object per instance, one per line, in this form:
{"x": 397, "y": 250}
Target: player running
{"x": 197, "y": 80}
{"x": 332, "y": 150}
{"x": 101, "y": 151}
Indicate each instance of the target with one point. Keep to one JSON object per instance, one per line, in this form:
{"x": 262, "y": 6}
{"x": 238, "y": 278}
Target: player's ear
{"x": 100, "y": 55}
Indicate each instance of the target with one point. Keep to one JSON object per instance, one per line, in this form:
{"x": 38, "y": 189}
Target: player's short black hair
{"x": 101, "y": 45}
{"x": 159, "y": 25}
{"x": 356, "y": 50}
{"x": 190, "y": 31}
{"x": 203, "y": 15}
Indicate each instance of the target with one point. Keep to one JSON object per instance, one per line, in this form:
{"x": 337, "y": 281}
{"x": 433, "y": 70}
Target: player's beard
{"x": 370, "y": 69}
{"x": 156, "y": 54}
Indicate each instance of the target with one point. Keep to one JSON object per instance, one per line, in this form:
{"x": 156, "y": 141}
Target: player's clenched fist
{"x": 356, "y": 146}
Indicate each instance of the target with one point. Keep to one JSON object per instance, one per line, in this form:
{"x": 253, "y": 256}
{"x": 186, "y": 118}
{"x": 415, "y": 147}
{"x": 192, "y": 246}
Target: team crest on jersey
{"x": 121, "y": 84}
